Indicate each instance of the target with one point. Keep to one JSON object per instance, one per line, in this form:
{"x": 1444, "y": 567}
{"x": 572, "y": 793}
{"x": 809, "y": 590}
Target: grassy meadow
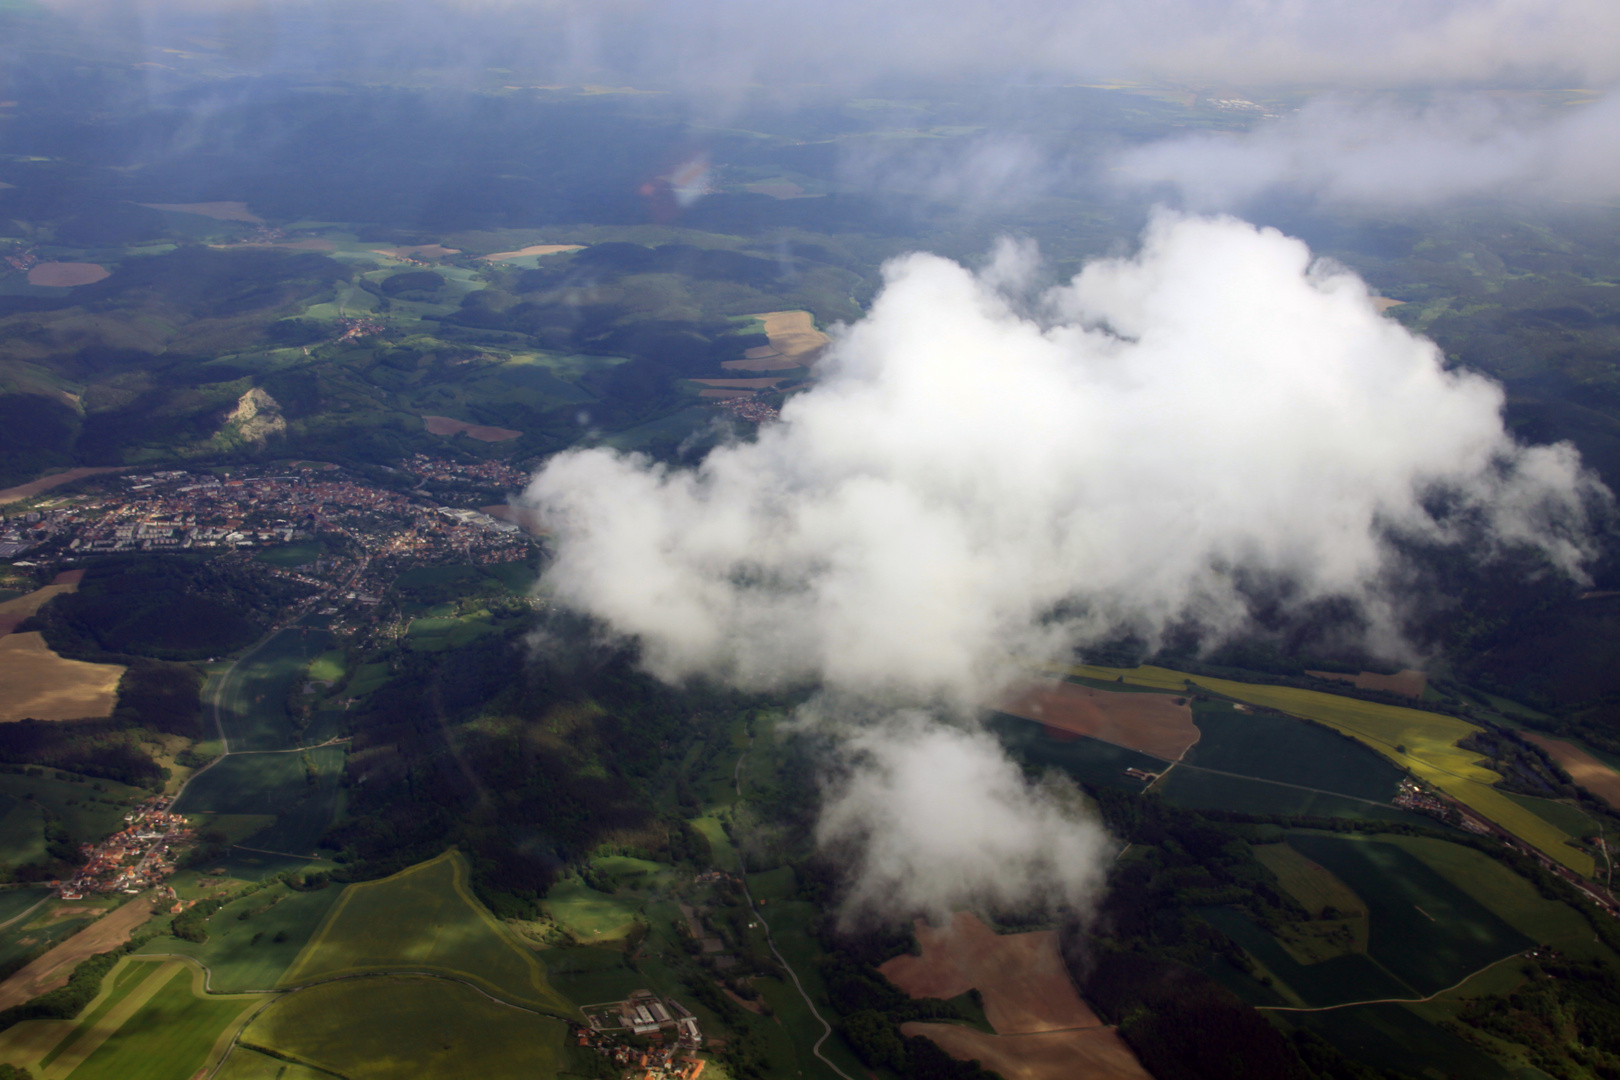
{"x": 86, "y": 812}
{"x": 252, "y": 703}
{"x": 1425, "y": 929}
{"x": 253, "y": 940}
{"x": 424, "y": 918}
{"x": 401, "y": 1027}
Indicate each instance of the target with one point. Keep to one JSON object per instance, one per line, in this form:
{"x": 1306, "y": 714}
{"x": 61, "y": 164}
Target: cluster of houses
{"x": 1411, "y": 796}
{"x": 483, "y": 473}
{"x": 136, "y": 857}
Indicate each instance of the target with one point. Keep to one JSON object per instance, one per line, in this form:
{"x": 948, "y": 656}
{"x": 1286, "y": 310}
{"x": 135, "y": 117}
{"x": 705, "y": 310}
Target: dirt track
{"x": 1151, "y": 723}
{"x": 53, "y": 969}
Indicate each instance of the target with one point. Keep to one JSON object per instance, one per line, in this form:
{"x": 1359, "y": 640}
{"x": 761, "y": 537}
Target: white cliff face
{"x": 257, "y": 416}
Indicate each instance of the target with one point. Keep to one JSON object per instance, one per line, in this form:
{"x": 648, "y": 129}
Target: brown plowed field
{"x": 61, "y": 275}
{"x": 726, "y": 393}
{"x": 45, "y": 483}
{"x": 1092, "y": 1054}
{"x": 52, "y": 970}
{"x": 1021, "y": 976}
{"x": 1151, "y": 723}
{"x": 1586, "y": 770}
{"x": 1410, "y": 683}
{"x": 443, "y": 425}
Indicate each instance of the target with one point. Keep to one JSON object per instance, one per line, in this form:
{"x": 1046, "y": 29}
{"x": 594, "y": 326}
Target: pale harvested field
{"x": 795, "y": 342}
{"x": 534, "y": 249}
{"x": 219, "y": 211}
{"x": 419, "y": 251}
{"x": 1384, "y": 303}
{"x": 13, "y": 612}
{"x": 52, "y": 970}
{"x": 1021, "y": 976}
{"x": 61, "y": 275}
{"x": 1151, "y": 723}
{"x": 741, "y": 384}
{"x": 36, "y": 683}
{"x": 1410, "y": 683}
{"x": 45, "y": 483}
{"x": 1586, "y": 770}
{"x": 443, "y": 425}
{"x": 313, "y": 243}
{"x": 1092, "y": 1054}
{"x": 781, "y": 189}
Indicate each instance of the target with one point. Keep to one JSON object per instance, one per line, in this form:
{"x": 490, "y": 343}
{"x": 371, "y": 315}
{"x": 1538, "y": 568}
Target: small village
{"x": 664, "y": 1022}
{"x": 137, "y": 857}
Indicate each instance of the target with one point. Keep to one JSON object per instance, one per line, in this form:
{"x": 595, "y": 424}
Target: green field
{"x": 275, "y": 784}
{"x": 169, "y": 1037}
{"x": 592, "y": 917}
{"x": 1571, "y": 819}
{"x": 327, "y": 667}
{"x": 590, "y": 975}
{"x": 1214, "y": 791}
{"x": 439, "y": 634}
{"x": 367, "y": 677}
{"x": 1291, "y": 751}
{"x": 246, "y": 1064}
{"x": 424, "y": 918}
{"x": 243, "y": 954}
{"x": 1425, "y": 929}
{"x": 380, "y": 1029}
{"x": 1344, "y": 978}
{"x": 1090, "y": 761}
{"x": 626, "y": 872}
{"x": 1395, "y": 1037}
{"x": 252, "y": 702}
{"x": 1424, "y": 742}
{"x": 85, "y": 812}
{"x": 14, "y": 902}
{"x": 41, "y": 930}
{"x": 1507, "y": 895}
{"x": 1312, "y": 885}
{"x": 289, "y": 555}
{"x": 720, "y": 849}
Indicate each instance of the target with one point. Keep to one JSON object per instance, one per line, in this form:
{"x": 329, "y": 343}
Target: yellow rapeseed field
{"x": 1423, "y": 742}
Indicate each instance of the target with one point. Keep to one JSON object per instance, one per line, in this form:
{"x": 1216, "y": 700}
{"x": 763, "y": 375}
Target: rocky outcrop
{"x": 257, "y": 416}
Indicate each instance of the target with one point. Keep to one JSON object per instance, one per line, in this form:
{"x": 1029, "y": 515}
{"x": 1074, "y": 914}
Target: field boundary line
{"x": 1283, "y": 783}
{"x": 770, "y": 939}
{"x": 1392, "y": 1001}
{"x": 287, "y": 854}
{"x": 92, "y": 1037}
{"x": 30, "y": 911}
